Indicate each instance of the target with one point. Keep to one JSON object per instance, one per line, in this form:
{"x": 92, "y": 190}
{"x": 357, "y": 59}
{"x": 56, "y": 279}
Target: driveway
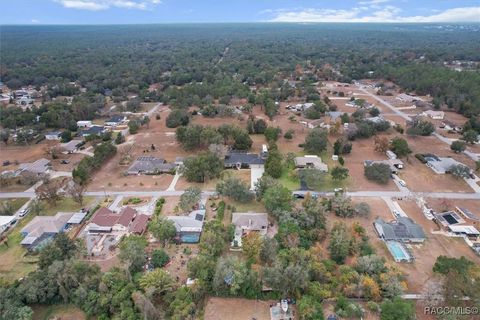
{"x": 255, "y": 174}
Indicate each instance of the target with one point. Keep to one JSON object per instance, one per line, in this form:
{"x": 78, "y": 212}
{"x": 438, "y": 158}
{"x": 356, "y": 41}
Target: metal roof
{"x": 77, "y": 218}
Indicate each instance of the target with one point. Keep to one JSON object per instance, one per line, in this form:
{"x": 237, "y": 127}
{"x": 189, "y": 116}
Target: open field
{"x": 14, "y": 204}
{"x": 17, "y": 154}
{"x": 59, "y": 311}
{"x": 237, "y": 309}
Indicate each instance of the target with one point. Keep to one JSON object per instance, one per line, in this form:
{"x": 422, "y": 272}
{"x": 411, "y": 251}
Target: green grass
{"x": 253, "y": 206}
{"x": 289, "y": 180}
{"x": 14, "y": 263}
{"x": 16, "y": 203}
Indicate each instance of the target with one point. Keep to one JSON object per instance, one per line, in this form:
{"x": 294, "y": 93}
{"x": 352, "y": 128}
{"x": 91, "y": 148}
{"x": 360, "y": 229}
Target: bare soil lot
{"x": 237, "y": 309}
{"x": 364, "y": 150}
{"x": 19, "y": 153}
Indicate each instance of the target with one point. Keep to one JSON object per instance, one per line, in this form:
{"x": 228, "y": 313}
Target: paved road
{"x": 448, "y": 141}
{"x": 377, "y": 194}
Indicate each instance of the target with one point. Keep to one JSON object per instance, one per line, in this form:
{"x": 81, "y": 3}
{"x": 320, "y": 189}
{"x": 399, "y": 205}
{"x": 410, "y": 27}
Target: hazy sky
{"x": 167, "y": 11}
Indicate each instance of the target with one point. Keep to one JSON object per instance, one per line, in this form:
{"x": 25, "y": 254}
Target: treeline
{"x": 88, "y": 165}
{"x": 200, "y": 137}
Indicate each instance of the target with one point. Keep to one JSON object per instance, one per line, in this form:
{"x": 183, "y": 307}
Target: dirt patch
{"x": 17, "y": 154}
{"x": 60, "y": 312}
{"x": 237, "y": 309}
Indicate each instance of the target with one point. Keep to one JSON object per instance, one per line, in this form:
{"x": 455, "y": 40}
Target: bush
{"x": 220, "y": 211}
{"x": 160, "y": 258}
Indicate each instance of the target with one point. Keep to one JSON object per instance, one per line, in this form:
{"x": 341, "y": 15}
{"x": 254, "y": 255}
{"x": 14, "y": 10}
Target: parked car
{"x": 23, "y": 212}
{"x": 402, "y": 183}
{"x": 338, "y": 189}
{"x": 396, "y": 213}
{"x": 298, "y": 195}
{"x": 65, "y": 161}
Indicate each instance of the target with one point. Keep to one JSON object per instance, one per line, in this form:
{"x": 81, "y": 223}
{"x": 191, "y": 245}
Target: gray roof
{"x": 243, "y": 158}
{"x": 77, "y": 217}
{"x": 250, "y": 220}
{"x": 93, "y": 130}
{"x": 116, "y": 118}
{"x": 191, "y": 223}
{"x": 467, "y": 213}
{"x": 46, "y": 224}
{"x": 311, "y": 161}
{"x": 402, "y": 229}
{"x": 38, "y": 166}
{"x": 441, "y": 164}
{"x": 150, "y": 165}
{"x": 70, "y": 145}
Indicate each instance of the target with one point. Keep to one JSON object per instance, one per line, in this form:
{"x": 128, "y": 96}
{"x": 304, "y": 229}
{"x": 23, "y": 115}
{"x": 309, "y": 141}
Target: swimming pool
{"x": 398, "y": 252}
{"x": 190, "y": 237}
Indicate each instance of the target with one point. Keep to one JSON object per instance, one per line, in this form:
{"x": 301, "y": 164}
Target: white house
{"x": 53, "y": 135}
{"x": 436, "y": 115}
{"x": 84, "y": 124}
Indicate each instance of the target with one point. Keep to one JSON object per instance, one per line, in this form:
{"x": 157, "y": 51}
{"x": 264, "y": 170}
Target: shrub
{"x": 378, "y": 172}
{"x": 160, "y": 258}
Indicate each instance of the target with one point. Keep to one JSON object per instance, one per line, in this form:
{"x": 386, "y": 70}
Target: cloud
{"x": 371, "y": 2}
{"x": 382, "y": 14}
{"x": 96, "y": 5}
{"x": 34, "y": 21}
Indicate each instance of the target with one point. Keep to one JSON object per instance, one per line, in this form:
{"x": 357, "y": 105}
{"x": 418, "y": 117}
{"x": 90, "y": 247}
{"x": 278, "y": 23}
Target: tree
{"x": 374, "y": 112}
{"x": 287, "y": 277}
{"x": 371, "y": 265}
{"x": 316, "y": 141}
{"x": 289, "y": 134}
{"x": 230, "y": 275}
{"x": 76, "y": 191}
{"x": 156, "y": 283}
{"x": 310, "y": 308}
{"x": 400, "y": 147}
{"x": 260, "y": 126}
{"x": 420, "y": 127}
{"x": 339, "y": 173}
{"x": 342, "y": 206}
{"x": 340, "y": 243}
{"x": 263, "y": 184}
{"x": 202, "y": 167}
{"x": 397, "y": 309}
{"x": 272, "y": 134}
{"x": 234, "y": 188}
{"x": 61, "y": 248}
{"x": 252, "y": 245}
{"x": 132, "y": 252}
{"x": 342, "y": 146}
{"x": 381, "y": 144}
{"x": 268, "y": 252}
{"x": 273, "y": 163}
{"x": 378, "y": 172}
{"x": 459, "y": 171}
{"x": 189, "y": 198}
{"x": 162, "y": 229}
{"x": 49, "y": 190}
{"x": 5, "y": 135}
{"x": 177, "y": 118}
{"x": 362, "y": 209}
{"x": 277, "y": 197}
{"x": 458, "y": 146}
{"x": 133, "y": 126}
{"x": 159, "y": 258}
{"x": 66, "y": 136}
{"x": 470, "y": 136}
{"x": 120, "y": 138}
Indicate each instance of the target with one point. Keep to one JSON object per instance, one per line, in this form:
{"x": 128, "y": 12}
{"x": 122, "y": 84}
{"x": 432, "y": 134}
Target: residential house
{"x": 240, "y": 160}
{"x": 310, "y": 161}
{"x": 407, "y": 98}
{"x": 43, "y": 229}
{"x": 127, "y": 221}
{"x": 53, "y": 135}
{"x": 441, "y": 165}
{"x": 248, "y": 222}
{"x": 6, "y": 222}
{"x": 93, "y": 130}
{"x": 39, "y": 166}
{"x": 433, "y": 114}
{"x": 450, "y": 126}
{"x": 464, "y": 230}
{"x": 115, "y": 120}
{"x": 150, "y": 165}
{"x": 84, "y": 123}
{"x": 403, "y": 229}
{"x": 474, "y": 218}
{"x": 71, "y": 146}
{"x": 24, "y": 101}
{"x": 189, "y": 228}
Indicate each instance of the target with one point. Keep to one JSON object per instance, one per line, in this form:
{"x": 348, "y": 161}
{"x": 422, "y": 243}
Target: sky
{"x": 190, "y": 11}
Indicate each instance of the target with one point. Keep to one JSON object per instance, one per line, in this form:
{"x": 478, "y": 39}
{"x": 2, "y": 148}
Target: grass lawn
{"x": 15, "y": 203}
{"x": 254, "y": 206}
{"x": 59, "y": 311}
{"x": 14, "y": 261}
{"x": 289, "y": 180}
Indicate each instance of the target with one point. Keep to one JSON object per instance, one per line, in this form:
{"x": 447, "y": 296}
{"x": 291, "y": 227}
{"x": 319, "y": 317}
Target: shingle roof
{"x": 251, "y": 221}
{"x": 38, "y": 166}
{"x": 116, "y": 118}
{"x": 46, "y": 224}
{"x": 93, "y": 130}
{"x": 402, "y": 228}
{"x": 139, "y": 224}
{"x": 126, "y": 216}
{"x": 243, "y": 158}
{"x": 150, "y": 165}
